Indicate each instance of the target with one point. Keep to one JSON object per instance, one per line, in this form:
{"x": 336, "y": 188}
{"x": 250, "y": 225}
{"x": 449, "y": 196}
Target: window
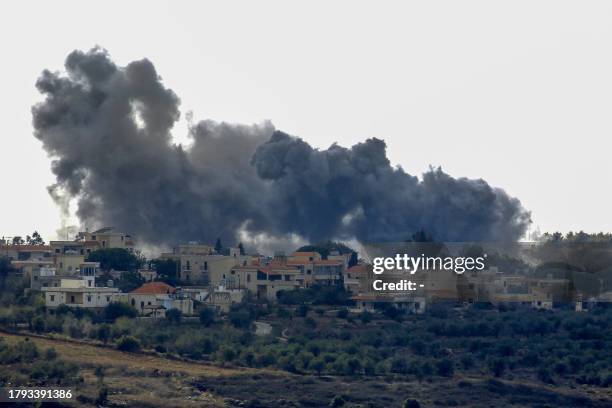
{"x": 89, "y": 298}
{"x": 133, "y": 302}
{"x": 248, "y": 277}
{"x": 142, "y": 304}
{"x": 205, "y": 265}
{"x": 71, "y": 298}
{"x": 108, "y": 298}
{"x": 52, "y": 298}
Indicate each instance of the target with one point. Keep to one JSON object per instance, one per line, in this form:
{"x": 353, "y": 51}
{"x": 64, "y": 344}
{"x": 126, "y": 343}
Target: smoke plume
{"x": 107, "y": 129}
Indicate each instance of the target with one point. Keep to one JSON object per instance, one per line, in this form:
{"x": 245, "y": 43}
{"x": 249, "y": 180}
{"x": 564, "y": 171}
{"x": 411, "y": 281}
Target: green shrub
{"x": 445, "y": 368}
{"x": 365, "y": 317}
{"x": 174, "y": 316}
{"x": 497, "y": 366}
{"x": 411, "y": 403}
{"x": 115, "y": 310}
{"x": 207, "y": 316}
{"x": 129, "y": 344}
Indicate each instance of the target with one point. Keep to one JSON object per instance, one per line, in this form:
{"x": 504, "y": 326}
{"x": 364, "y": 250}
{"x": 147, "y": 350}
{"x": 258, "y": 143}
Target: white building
{"x": 147, "y": 299}
{"x": 79, "y": 293}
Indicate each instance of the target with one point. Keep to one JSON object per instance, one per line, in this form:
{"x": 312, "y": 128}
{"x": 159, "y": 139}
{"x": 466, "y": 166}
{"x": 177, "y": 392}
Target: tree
{"x": 240, "y": 317}
{"x": 338, "y": 401}
{"x": 5, "y": 269}
{"x": 174, "y": 316}
{"x": 129, "y": 344}
{"x": 115, "y": 310}
{"x": 102, "y": 398}
{"x": 38, "y": 324}
{"x": 207, "y": 316}
{"x": 445, "y": 368}
{"x": 218, "y": 246}
{"x": 167, "y": 270}
{"x": 325, "y": 248}
{"x": 411, "y": 403}
{"x": 18, "y": 240}
{"x": 119, "y": 259}
{"x": 129, "y": 281}
{"x": 302, "y": 310}
{"x": 103, "y": 333}
{"x": 35, "y": 239}
{"x": 353, "y": 260}
{"x": 497, "y": 366}
{"x": 317, "y": 364}
{"x": 365, "y": 317}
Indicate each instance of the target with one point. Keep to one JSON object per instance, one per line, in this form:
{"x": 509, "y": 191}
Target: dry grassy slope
{"x": 140, "y": 380}
{"x": 137, "y": 379}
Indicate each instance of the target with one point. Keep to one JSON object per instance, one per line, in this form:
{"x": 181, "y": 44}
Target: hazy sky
{"x": 518, "y": 93}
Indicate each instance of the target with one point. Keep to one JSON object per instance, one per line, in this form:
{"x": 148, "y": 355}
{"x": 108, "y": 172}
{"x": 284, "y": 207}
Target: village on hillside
{"x": 195, "y": 275}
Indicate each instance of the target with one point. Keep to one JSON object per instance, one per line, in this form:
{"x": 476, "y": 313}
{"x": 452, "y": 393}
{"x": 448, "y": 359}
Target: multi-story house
{"x": 315, "y": 270}
{"x": 25, "y": 252}
{"x": 198, "y": 264}
{"x": 263, "y": 281}
{"x": 154, "y": 298}
{"x": 108, "y": 237}
{"x": 79, "y": 293}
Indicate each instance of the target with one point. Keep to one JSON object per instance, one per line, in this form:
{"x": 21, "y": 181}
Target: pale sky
{"x": 518, "y": 93}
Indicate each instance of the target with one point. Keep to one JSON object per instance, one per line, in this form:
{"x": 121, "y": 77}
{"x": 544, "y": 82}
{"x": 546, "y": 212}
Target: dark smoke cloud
{"x": 107, "y": 129}
{"x": 357, "y": 193}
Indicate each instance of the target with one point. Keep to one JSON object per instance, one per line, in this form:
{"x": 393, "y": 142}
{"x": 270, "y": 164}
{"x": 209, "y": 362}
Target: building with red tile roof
{"x": 155, "y": 288}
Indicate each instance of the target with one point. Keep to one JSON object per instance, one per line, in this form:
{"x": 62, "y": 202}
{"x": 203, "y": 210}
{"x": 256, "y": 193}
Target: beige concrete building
{"x": 222, "y": 298}
{"x": 108, "y": 237}
{"x": 79, "y": 293}
{"x": 356, "y": 278}
{"x": 263, "y": 281}
{"x": 83, "y": 248}
{"x": 25, "y": 252}
{"x": 198, "y": 264}
{"x": 147, "y": 274}
{"x": 315, "y": 270}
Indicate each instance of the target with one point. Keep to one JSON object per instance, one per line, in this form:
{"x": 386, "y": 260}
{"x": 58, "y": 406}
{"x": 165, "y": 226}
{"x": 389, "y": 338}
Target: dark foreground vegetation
{"x": 519, "y": 356}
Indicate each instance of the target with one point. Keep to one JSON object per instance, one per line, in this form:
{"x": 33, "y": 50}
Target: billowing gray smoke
{"x": 107, "y": 129}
